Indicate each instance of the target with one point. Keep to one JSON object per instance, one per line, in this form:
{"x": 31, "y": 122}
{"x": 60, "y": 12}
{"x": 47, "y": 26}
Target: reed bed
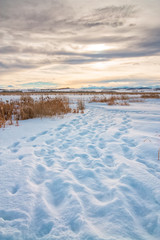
{"x": 26, "y": 108}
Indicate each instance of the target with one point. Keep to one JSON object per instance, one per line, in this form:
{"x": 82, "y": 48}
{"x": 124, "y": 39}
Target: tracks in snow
{"x": 81, "y": 183}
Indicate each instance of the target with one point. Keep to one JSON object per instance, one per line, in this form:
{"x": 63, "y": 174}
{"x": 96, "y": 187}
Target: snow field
{"x": 91, "y": 176}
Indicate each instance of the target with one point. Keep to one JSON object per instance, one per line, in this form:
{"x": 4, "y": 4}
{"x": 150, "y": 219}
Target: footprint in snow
{"x": 50, "y": 141}
{"x": 84, "y": 159}
{"x": 93, "y": 151}
{"x": 49, "y": 161}
{"x": 123, "y": 129}
{"x": 40, "y": 153}
{"x": 41, "y": 223}
{"x": 58, "y": 191}
{"x": 21, "y": 156}
{"x": 44, "y": 229}
{"x": 61, "y": 127}
{"x": 139, "y": 188}
{"x": 42, "y": 133}
{"x": 14, "y": 147}
{"x": 31, "y": 139}
{"x": 10, "y": 215}
{"x": 14, "y": 189}
{"x": 127, "y": 151}
{"x": 102, "y": 143}
{"x": 15, "y": 144}
{"x": 84, "y": 132}
{"x": 106, "y": 195}
{"x": 109, "y": 161}
{"x": 39, "y": 175}
{"x": 117, "y": 135}
{"x": 76, "y": 224}
{"x": 130, "y": 142}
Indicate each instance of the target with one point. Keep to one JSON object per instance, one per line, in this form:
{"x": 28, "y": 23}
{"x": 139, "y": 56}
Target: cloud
{"x": 49, "y": 39}
{"x": 49, "y": 16}
{"x": 2, "y": 65}
{"x": 151, "y": 40}
{"x": 9, "y": 49}
{"x": 114, "y": 16}
{"x": 16, "y": 65}
{"x": 36, "y": 15}
{"x": 101, "y": 38}
{"x": 125, "y": 82}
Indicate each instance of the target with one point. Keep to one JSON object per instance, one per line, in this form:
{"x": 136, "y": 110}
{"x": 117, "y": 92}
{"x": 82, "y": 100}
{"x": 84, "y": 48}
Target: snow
{"x": 91, "y": 176}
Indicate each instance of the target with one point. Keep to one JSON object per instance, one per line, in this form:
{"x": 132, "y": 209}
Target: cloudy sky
{"x": 79, "y": 43}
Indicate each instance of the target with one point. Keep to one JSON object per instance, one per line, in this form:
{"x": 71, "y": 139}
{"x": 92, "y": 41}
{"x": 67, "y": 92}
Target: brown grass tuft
{"x": 81, "y": 104}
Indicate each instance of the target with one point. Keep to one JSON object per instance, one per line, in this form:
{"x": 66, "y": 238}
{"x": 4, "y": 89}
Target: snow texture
{"x": 91, "y": 176}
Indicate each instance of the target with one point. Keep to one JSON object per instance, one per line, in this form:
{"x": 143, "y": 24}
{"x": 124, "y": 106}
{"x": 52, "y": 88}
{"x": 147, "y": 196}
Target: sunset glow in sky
{"x": 72, "y": 43}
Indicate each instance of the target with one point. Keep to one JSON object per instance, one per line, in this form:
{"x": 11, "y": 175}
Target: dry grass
{"x": 102, "y": 99}
{"x": 80, "y": 106}
{"x": 150, "y": 95}
{"x": 27, "y": 108}
{"x": 112, "y": 100}
{"x": 75, "y": 92}
{"x": 136, "y": 100}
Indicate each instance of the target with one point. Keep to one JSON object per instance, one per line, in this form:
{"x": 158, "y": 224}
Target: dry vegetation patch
{"x": 27, "y": 108}
{"x": 112, "y": 100}
{"x": 150, "y": 95}
{"x": 80, "y": 106}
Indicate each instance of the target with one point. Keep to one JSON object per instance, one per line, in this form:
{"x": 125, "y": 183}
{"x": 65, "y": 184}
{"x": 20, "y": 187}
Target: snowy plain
{"x": 91, "y": 176}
